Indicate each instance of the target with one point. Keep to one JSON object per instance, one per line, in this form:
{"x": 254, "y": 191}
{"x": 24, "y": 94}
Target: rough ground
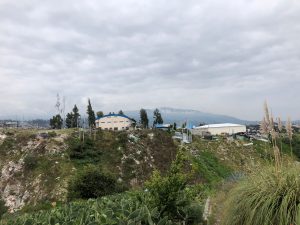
{"x": 36, "y": 167}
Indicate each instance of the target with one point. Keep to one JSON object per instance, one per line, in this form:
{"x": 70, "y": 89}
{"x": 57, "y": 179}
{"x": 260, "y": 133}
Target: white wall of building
{"x": 113, "y": 122}
{"x": 217, "y": 129}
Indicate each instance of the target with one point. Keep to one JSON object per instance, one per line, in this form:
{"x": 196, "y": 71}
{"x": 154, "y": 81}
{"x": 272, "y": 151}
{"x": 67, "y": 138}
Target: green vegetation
{"x": 144, "y": 118}
{"x": 169, "y": 192}
{"x": 91, "y": 115}
{"x": 157, "y": 117}
{"x": 267, "y": 197}
{"x": 209, "y": 169}
{"x": 3, "y": 208}
{"x": 67, "y": 167}
{"x": 127, "y": 208}
{"x": 92, "y": 183}
{"x": 30, "y": 162}
{"x": 56, "y": 122}
{"x": 168, "y": 200}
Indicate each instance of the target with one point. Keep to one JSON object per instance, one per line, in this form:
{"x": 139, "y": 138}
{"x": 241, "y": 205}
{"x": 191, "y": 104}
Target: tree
{"x": 121, "y": 112}
{"x": 91, "y": 115}
{"x": 76, "y": 116}
{"x": 175, "y": 126}
{"x": 69, "y": 120}
{"x": 144, "y": 118}
{"x": 100, "y": 114}
{"x": 56, "y": 122}
{"x": 157, "y": 117}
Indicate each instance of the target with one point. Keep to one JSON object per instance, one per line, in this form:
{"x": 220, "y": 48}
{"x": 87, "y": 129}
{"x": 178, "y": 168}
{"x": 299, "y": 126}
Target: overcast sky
{"x": 216, "y": 56}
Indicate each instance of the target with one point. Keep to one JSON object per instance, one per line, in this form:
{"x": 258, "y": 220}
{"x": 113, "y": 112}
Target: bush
{"x": 92, "y": 183}
{"x": 52, "y": 134}
{"x": 30, "y": 162}
{"x": 84, "y": 152}
{"x": 170, "y": 195}
{"x": 267, "y": 198}
{"x": 3, "y": 208}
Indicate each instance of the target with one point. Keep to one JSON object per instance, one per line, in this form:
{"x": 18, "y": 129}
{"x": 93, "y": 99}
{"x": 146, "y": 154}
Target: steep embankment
{"x": 36, "y": 166}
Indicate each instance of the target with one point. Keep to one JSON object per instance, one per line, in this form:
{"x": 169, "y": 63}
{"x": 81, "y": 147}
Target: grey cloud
{"x": 219, "y": 56}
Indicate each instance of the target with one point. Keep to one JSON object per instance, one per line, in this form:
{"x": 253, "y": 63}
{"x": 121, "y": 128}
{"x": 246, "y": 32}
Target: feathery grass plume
{"x": 280, "y": 125}
{"x": 280, "y": 128}
{"x": 267, "y": 115}
{"x": 289, "y": 131}
{"x": 264, "y": 126}
{"x": 268, "y": 128}
{"x": 265, "y": 199}
{"x": 273, "y": 131}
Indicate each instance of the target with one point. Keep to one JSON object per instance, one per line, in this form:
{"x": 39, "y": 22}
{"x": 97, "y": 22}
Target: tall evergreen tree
{"x": 56, "y": 122}
{"x": 91, "y": 115}
{"x": 175, "y": 126}
{"x": 157, "y": 117}
{"x": 144, "y": 118}
{"x": 69, "y": 120}
{"x": 76, "y": 115}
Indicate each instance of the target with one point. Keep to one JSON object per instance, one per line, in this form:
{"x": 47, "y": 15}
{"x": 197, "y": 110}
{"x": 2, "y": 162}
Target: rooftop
{"x": 113, "y": 115}
{"x": 219, "y": 125}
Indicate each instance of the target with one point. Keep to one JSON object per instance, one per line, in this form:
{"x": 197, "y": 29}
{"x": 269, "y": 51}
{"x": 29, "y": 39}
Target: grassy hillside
{"x": 38, "y": 166}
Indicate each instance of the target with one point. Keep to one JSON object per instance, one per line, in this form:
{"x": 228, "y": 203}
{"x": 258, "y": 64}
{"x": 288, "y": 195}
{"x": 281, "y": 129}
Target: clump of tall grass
{"x": 266, "y": 199}
{"x": 289, "y": 131}
{"x": 267, "y": 127}
{"x": 270, "y": 196}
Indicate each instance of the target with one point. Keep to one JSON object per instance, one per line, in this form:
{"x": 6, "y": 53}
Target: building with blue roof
{"x": 116, "y": 122}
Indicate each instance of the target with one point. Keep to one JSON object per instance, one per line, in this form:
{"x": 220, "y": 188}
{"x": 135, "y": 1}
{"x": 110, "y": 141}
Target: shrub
{"x": 267, "y": 198}
{"x": 92, "y": 183}
{"x": 170, "y": 195}
{"x": 52, "y": 134}
{"x": 30, "y": 162}
{"x": 3, "y": 208}
{"x": 84, "y": 152}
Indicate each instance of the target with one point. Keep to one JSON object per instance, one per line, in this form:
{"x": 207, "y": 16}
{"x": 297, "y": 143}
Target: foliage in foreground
{"x": 92, "y": 183}
{"x": 126, "y": 208}
{"x": 169, "y": 192}
{"x": 269, "y": 198}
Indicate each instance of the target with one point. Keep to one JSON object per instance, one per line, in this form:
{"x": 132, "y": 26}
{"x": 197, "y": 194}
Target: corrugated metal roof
{"x": 220, "y": 125}
{"x": 162, "y": 125}
{"x": 113, "y": 115}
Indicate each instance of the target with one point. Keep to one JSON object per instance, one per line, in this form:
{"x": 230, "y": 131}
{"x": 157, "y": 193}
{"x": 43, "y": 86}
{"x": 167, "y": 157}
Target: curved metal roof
{"x": 113, "y": 115}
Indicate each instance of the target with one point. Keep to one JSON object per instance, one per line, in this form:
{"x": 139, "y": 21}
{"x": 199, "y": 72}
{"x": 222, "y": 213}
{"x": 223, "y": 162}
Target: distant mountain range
{"x": 171, "y": 115}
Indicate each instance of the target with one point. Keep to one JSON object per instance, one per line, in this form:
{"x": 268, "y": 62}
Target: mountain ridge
{"x": 195, "y": 117}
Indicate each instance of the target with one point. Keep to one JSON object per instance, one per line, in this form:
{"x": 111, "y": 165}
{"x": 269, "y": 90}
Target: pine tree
{"x": 144, "y": 118}
{"x": 175, "y": 126}
{"x": 157, "y": 117}
{"x": 56, "y": 122}
{"x": 91, "y": 115}
{"x": 76, "y": 115}
{"x": 69, "y": 120}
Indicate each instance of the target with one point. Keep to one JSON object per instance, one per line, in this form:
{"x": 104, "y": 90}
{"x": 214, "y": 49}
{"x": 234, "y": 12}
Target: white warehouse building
{"x": 114, "y": 122}
{"x": 217, "y": 129}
